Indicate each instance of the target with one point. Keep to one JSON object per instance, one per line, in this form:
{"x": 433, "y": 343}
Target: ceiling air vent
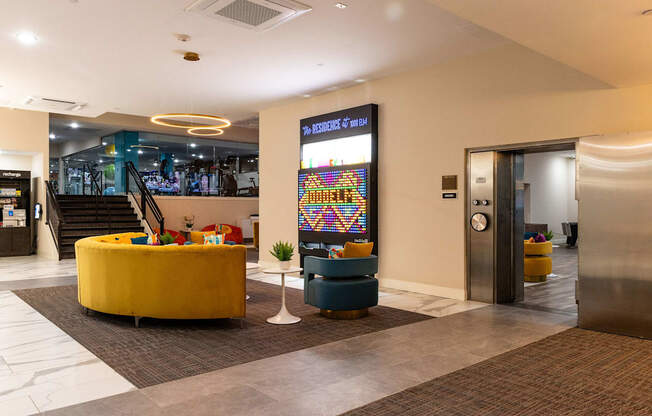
{"x": 253, "y": 14}
{"x": 53, "y": 104}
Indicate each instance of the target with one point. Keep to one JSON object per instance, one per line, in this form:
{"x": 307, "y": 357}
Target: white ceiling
{"x": 608, "y": 39}
{"x": 121, "y": 55}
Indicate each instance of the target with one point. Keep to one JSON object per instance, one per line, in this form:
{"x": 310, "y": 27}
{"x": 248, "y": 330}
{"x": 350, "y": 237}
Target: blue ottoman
{"x": 347, "y": 288}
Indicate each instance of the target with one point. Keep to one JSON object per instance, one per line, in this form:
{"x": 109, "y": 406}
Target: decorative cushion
{"x": 139, "y": 240}
{"x": 153, "y": 240}
{"x": 211, "y": 239}
{"x": 335, "y": 253}
{"x": 357, "y": 249}
{"x": 223, "y": 229}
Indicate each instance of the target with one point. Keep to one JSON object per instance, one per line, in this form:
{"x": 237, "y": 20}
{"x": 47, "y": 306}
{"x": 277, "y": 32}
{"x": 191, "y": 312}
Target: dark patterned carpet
{"x": 576, "y": 372}
{"x": 165, "y": 350}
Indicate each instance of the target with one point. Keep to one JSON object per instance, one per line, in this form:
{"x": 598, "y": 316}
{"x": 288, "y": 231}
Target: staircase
{"x": 90, "y": 215}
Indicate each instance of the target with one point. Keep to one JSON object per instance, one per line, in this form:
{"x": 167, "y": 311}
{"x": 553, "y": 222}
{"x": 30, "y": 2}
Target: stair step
{"x": 86, "y": 218}
{"x": 100, "y": 231}
{"x": 91, "y": 225}
{"x": 72, "y": 205}
{"x": 100, "y": 211}
{"x": 91, "y": 197}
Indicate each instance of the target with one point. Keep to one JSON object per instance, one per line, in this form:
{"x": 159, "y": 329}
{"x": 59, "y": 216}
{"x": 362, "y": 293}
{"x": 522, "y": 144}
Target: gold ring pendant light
{"x": 214, "y": 126}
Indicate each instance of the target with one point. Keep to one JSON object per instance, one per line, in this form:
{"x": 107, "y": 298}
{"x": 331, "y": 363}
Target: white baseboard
{"x": 426, "y": 289}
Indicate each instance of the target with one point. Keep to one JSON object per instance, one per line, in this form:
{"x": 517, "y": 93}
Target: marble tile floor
{"x": 43, "y": 368}
{"x": 35, "y": 267}
{"x": 333, "y": 378}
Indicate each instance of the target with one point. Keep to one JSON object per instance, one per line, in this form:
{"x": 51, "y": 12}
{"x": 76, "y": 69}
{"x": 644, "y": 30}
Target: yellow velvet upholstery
{"x": 537, "y": 249}
{"x": 256, "y": 226}
{"x": 357, "y": 249}
{"x": 536, "y": 268}
{"x": 168, "y": 282}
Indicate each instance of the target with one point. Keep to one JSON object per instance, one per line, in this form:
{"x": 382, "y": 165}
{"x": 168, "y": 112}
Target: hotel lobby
{"x": 367, "y": 207}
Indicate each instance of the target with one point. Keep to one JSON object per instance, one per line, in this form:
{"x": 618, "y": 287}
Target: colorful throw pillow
{"x": 335, "y": 253}
{"x": 140, "y": 240}
{"x": 213, "y": 239}
{"x": 223, "y": 229}
{"x": 357, "y": 249}
{"x": 153, "y": 240}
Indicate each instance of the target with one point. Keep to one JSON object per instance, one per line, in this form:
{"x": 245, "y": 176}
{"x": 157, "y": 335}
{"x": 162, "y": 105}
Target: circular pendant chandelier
{"x": 194, "y": 124}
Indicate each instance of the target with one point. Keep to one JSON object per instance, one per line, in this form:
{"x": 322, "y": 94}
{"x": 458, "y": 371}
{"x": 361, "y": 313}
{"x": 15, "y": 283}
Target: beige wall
{"x": 27, "y": 131}
{"x": 15, "y": 161}
{"x": 207, "y": 210}
{"x": 427, "y": 119}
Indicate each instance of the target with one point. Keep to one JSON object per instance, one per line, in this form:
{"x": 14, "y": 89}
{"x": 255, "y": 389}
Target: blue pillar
{"x": 123, "y": 142}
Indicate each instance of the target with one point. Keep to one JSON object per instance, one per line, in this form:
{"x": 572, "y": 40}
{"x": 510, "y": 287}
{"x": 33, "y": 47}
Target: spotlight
{"x": 74, "y": 125}
{"x": 26, "y": 38}
{"x": 140, "y": 152}
{"x": 176, "y": 160}
{"x": 193, "y": 145}
{"x": 340, "y": 5}
{"x": 52, "y": 136}
{"x": 103, "y": 143}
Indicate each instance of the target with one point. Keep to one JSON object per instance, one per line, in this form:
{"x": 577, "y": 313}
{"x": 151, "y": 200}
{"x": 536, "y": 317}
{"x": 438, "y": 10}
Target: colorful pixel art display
{"x": 333, "y": 201}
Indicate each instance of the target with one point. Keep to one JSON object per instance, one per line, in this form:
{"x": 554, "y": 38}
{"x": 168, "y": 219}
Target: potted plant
{"x": 190, "y": 221}
{"x": 283, "y": 251}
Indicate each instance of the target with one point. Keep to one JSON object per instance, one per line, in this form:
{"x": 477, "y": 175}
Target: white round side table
{"x": 283, "y": 317}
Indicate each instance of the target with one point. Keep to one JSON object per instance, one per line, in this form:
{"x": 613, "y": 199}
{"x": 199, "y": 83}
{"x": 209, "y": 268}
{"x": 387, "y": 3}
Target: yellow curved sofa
{"x": 167, "y": 282}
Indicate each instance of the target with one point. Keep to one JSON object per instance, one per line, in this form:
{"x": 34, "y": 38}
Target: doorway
{"x": 515, "y": 195}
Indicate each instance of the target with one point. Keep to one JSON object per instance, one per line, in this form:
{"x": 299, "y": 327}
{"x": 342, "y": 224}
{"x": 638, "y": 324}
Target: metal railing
{"x": 96, "y": 191}
{"x": 146, "y": 199}
{"x": 54, "y": 217}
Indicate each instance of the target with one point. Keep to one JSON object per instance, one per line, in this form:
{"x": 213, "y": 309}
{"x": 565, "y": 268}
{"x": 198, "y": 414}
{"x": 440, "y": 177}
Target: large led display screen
{"x": 334, "y": 201}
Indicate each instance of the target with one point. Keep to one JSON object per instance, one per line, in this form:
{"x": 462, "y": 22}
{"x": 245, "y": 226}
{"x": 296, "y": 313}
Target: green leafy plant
{"x": 283, "y": 251}
{"x": 549, "y": 235}
{"x": 167, "y": 239}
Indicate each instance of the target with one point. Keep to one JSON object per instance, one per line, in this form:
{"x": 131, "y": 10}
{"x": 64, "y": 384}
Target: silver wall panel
{"x": 481, "y": 244}
{"x": 614, "y": 184}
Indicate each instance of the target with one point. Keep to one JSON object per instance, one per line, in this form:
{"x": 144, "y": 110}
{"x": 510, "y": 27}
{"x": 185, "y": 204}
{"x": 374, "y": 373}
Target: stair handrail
{"x": 53, "y": 216}
{"x": 98, "y": 197}
{"x": 146, "y": 198}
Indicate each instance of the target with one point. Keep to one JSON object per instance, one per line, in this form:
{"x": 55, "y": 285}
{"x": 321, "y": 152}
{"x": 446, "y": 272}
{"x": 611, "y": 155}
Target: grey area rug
{"x": 165, "y": 350}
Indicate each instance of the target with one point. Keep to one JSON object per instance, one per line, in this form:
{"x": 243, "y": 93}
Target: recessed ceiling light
{"x": 340, "y": 5}
{"x": 193, "y": 145}
{"x": 103, "y": 143}
{"x": 201, "y": 156}
{"x": 193, "y": 155}
{"x": 52, "y": 136}
{"x": 74, "y": 125}
{"x": 155, "y": 164}
{"x": 128, "y": 150}
{"x": 140, "y": 152}
{"x": 26, "y": 38}
{"x": 360, "y": 80}
{"x": 176, "y": 160}
{"x": 306, "y": 96}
